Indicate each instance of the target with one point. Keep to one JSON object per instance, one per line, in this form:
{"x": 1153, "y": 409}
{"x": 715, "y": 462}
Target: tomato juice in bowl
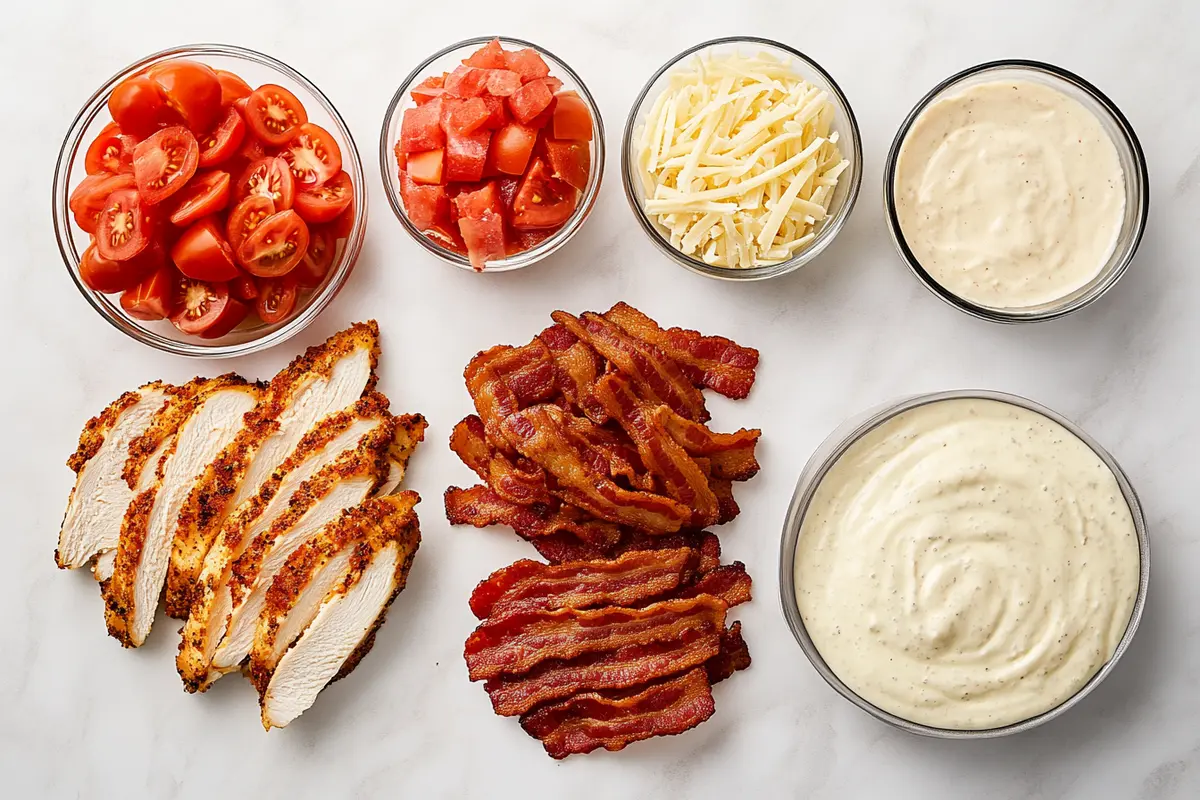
{"x": 191, "y": 223}
{"x": 523, "y": 177}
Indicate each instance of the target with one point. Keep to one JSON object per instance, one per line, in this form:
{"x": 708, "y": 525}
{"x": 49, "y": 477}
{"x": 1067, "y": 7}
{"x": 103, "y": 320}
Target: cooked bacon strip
{"x": 712, "y": 361}
{"x": 481, "y": 507}
{"x": 658, "y": 379}
{"x": 730, "y": 455}
{"x": 728, "y": 506}
{"x": 616, "y": 669}
{"x": 521, "y": 482}
{"x": 540, "y": 434}
{"x": 505, "y": 379}
{"x": 733, "y": 655}
{"x": 576, "y": 368}
{"x": 625, "y": 581}
{"x": 558, "y": 548}
{"x": 595, "y": 719}
{"x": 518, "y": 642}
{"x": 613, "y": 452}
{"x": 728, "y": 582}
{"x": 681, "y": 477}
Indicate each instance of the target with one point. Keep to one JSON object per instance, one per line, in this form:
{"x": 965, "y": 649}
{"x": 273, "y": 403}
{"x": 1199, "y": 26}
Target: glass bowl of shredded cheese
{"x": 741, "y": 158}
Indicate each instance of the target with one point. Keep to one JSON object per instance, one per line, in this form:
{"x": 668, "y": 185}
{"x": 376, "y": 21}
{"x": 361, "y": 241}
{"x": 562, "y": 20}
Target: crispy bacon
{"x": 733, "y": 655}
{"x": 505, "y": 379}
{"x": 613, "y": 720}
{"x": 712, "y": 361}
{"x": 558, "y": 548}
{"x": 625, "y": 581}
{"x": 519, "y": 482}
{"x": 616, "y": 456}
{"x": 576, "y": 367}
{"x": 519, "y": 641}
{"x": 481, "y": 507}
{"x": 617, "y": 669}
{"x": 728, "y": 506}
{"x": 728, "y": 582}
{"x": 540, "y": 434}
{"x": 707, "y": 544}
{"x": 730, "y": 455}
{"x": 657, "y": 378}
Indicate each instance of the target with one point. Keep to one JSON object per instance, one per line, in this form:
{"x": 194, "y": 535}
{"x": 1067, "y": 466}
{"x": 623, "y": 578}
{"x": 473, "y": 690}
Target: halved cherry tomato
{"x": 223, "y": 141}
{"x": 124, "y": 227}
{"x": 243, "y": 287}
{"x": 312, "y": 155}
{"x": 245, "y": 217}
{"x": 89, "y": 197}
{"x": 207, "y": 194}
{"x": 154, "y": 297}
{"x": 326, "y": 202}
{"x": 164, "y": 163}
{"x": 276, "y": 299}
{"x": 109, "y": 152}
{"x": 107, "y": 276}
{"x": 233, "y": 88}
{"x": 206, "y": 309}
{"x": 271, "y": 178}
{"x": 543, "y": 201}
{"x": 138, "y": 106}
{"x": 343, "y": 223}
{"x": 310, "y": 272}
{"x": 273, "y": 114}
{"x": 191, "y": 89}
{"x": 572, "y": 120}
{"x": 203, "y": 254}
{"x": 275, "y": 247}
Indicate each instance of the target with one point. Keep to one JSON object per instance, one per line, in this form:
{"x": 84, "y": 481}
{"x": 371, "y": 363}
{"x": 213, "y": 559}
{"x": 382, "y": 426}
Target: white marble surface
{"x": 79, "y": 717}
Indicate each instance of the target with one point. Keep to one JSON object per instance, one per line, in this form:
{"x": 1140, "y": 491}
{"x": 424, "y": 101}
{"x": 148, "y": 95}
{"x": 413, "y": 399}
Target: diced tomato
{"x": 88, "y": 198}
{"x": 164, "y": 163}
{"x": 191, "y": 89}
{"x": 276, "y": 299}
{"x": 466, "y": 155}
{"x": 273, "y": 114}
{"x": 245, "y": 217}
{"x": 572, "y": 120}
{"x": 465, "y": 116}
{"x": 507, "y": 188}
{"x": 426, "y": 168}
{"x": 104, "y": 275}
{"x": 124, "y": 227}
{"x": 482, "y": 225}
{"x": 327, "y": 201}
{"x": 206, "y": 309}
{"x": 427, "y": 207}
{"x": 401, "y": 156}
{"x": 466, "y": 81}
{"x": 224, "y": 140}
{"x": 154, "y": 297}
{"x": 202, "y": 253}
{"x": 270, "y": 177}
{"x": 310, "y": 272}
{"x": 543, "y": 119}
{"x": 527, "y": 240}
{"x": 553, "y": 84}
{"x": 497, "y": 112}
{"x": 527, "y": 63}
{"x": 206, "y": 194}
{"x": 109, "y": 152}
{"x": 138, "y": 106}
{"x": 490, "y": 56}
{"x": 312, "y": 155}
{"x": 426, "y": 90}
{"x": 530, "y": 100}
{"x": 511, "y": 147}
{"x": 543, "y": 201}
{"x": 503, "y": 82}
{"x": 275, "y": 246}
{"x": 569, "y": 160}
{"x": 233, "y": 88}
{"x": 243, "y": 287}
{"x": 421, "y": 128}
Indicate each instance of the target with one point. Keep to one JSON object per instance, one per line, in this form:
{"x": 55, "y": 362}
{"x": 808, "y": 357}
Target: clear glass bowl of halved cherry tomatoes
{"x": 492, "y": 152}
{"x": 209, "y": 201}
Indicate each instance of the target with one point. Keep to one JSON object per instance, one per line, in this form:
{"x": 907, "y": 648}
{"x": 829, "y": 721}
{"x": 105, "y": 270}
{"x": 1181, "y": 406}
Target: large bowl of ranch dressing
{"x": 963, "y": 564}
{"x": 1016, "y": 191}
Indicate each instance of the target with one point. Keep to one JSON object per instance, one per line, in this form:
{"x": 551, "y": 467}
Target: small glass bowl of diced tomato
{"x": 492, "y": 152}
{"x": 209, "y": 201}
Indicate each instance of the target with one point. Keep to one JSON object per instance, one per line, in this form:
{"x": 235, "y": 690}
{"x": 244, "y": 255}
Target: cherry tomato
{"x": 138, "y": 106}
{"x": 154, "y": 297}
{"x": 109, "y": 152}
{"x": 164, "y": 163}
{"x": 203, "y": 254}
{"x": 207, "y": 194}
{"x": 245, "y": 217}
{"x": 326, "y": 202}
{"x": 233, "y": 88}
{"x": 343, "y": 223}
{"x": 243, "y": 287}
{"x": 224, "y": 140}
{"x": 89, "y": 197}
{"x": 103, "y": 275}
{"x": 275, "y": 247}
{"x": 543, "y": 201}
{"x": 310, "y": 272}
{"x": 206, "y": 309}
{"x": 312, "y": 155}
{"x": 124, "y": 227}
{"x": 276, "y": 299}
{"x": 273, "y": 114}
{"x": 191, "y": 89}
{"x": 271, "y": 178}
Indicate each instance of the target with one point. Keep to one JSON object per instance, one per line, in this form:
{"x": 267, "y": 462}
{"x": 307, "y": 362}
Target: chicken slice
{"x": 199, "y": 423}
{"x": 326, "y": 379}
{"x": 324, "y": 607}
{"x": 92, "y": 523}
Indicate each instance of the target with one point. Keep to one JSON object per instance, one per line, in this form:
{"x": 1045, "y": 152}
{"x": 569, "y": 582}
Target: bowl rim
{"x": 828, "y": 231}
{"x": 569, "y": 228}
{"x": 71, "y": 146}
{"x": 1129, "y": 140}
{"x": 834, "y": 446}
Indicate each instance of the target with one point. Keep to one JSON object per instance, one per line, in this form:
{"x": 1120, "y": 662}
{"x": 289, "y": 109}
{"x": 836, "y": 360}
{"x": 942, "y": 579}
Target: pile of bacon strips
{"x": 591, "y": 444}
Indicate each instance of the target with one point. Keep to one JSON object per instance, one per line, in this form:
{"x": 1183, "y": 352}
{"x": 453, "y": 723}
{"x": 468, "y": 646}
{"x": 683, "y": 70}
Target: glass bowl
{"x": 844, "y": 195}
{"x": 832, "y": 449}
{"x": 257, "y": 69}
{"x": 445, "y": 60}
{"x": 1129, "y": 153}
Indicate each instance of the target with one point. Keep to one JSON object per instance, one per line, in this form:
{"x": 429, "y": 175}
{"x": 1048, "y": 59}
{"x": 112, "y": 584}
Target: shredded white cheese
{"x": 739, "y": 161}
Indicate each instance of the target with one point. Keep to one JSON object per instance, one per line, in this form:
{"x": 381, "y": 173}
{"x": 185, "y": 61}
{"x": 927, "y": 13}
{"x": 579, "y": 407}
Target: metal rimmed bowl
{"x": 257, "y": 69}
{"x": 445, "y": 60}
{"x": 1129, "y": 154}
{"x": 828, "y": 454}
{"x": 844, "y": 195}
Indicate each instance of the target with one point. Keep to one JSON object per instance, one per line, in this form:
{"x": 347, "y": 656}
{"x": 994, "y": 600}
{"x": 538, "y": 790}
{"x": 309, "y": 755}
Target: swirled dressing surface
{"x": 968, "y": 564}
{"x": 1010, "y": 194}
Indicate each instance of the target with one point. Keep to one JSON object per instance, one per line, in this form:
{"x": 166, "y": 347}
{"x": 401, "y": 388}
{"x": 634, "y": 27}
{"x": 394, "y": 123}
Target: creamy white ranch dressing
{"x": 1009, "y": 193}
{"x": 968, "y": 564}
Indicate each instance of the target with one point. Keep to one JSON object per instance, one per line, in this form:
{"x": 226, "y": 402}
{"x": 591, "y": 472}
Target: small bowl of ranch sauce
{"x": 963, "y": 564}
{"x": 1016, "y": 191}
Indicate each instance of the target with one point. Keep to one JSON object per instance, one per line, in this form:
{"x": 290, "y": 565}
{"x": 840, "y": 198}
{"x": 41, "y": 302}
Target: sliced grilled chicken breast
{"x": 324, "y": 607}
{"x": 92, "y": 523}
{"x": 324, "y": 380}
{"x": 200, "y": 425}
